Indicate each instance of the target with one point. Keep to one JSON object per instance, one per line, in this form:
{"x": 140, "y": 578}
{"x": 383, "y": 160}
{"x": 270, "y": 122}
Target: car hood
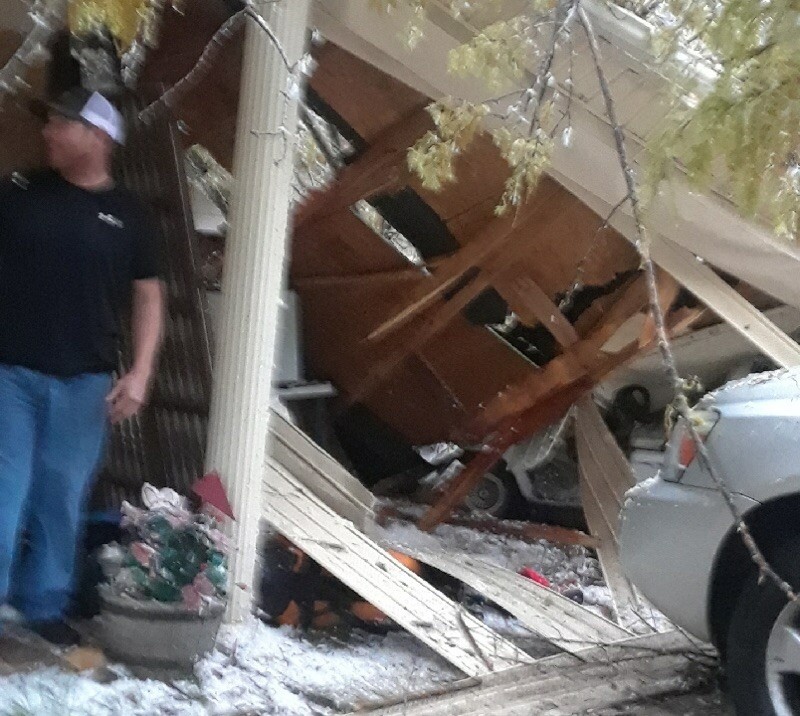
{"x": 772, "y": 385}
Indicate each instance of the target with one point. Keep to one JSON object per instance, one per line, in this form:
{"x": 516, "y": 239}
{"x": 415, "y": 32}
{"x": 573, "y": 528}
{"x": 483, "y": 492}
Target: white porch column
{"x": 254, "y": 264}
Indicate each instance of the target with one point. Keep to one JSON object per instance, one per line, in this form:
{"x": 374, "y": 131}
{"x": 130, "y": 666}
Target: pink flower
{"x": 192, "y": 598}
{"x": 142, "y": 553}
{"x": 203, "y": 586}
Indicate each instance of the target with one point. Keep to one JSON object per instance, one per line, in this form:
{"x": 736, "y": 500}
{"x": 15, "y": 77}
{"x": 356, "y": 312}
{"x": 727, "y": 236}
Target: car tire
{"x": 497, "y": 495}
{"x": 758, "y": 610}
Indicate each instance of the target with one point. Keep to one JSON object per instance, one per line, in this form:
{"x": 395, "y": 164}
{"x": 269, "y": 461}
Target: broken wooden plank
{"x": 605, "y": 477}
{"x": 339, "y": 547}
{"x": 492, "y": 239}
{"x": 439, "y": 319}
{"x": 582, "y": 359}
{"x": 319, "y": 472}
{"x": 533, "y": 306}
{"x": 514, "y": 429}
{"x": 565, "y": 685}
{"x": 723, "y": 300}
{"x": 559, "y": 620}
{"x": 380, "y": 168}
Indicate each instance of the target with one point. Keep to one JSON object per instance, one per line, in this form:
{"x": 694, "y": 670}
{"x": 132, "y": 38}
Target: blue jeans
{"x": 52, "y": 438}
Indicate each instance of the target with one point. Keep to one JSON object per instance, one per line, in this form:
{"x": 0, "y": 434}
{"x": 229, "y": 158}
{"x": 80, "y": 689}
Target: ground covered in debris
{"x": 258, "y": 669}
{"x": 570, "y": 569}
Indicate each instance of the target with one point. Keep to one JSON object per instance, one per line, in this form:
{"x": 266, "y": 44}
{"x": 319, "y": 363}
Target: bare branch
{"x": 215, "y": 45}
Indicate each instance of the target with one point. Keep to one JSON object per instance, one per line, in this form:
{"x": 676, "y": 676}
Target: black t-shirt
{"x": 68, "y": 258}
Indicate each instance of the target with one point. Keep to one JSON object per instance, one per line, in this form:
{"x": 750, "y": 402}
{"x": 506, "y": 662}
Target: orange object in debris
{"x": 326, "y": 617}
{"x": 367, "y": 613}
{"x": 409, "y": 562}
{"x": 290, "y": 617}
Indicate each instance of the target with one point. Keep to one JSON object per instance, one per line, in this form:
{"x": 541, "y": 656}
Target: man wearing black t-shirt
{"x": 76, "y": 253}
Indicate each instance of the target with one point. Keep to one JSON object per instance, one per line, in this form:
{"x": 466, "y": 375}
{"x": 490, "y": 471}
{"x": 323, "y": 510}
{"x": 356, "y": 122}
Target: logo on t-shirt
{"x": 111, "y": 220}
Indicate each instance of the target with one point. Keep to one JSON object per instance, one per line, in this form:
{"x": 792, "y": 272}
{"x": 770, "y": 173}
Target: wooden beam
{"x": 492, "y": 240}
{"x": 459, "y": 273}
{"x": 583, "y": 358}
{"x": 513, "y": 430}
{"x": 557, "y": 393}
{"x": 302, "y": 283}
{"x": 704, "y": 283}
{"x": 533, "y": 306}
{"x": 380, "y": 168}
{"x": 685, "y": 319}
{"x": 594, "y": 314}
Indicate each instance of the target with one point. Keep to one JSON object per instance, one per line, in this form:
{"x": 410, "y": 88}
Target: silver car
{"x": 679, "y": 545}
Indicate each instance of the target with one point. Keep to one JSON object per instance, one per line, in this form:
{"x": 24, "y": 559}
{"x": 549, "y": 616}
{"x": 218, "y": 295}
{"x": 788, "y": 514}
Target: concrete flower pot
{"x": 155, "y": 634}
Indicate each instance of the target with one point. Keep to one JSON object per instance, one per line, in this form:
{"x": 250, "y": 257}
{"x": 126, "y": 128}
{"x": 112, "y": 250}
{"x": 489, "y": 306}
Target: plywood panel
{"x": 342, "y": 245}
{"x": 365, "y": 97}
{"x": 475, "y": 364}
{"x": 468, "y": 206}
{"x": 335, "y": 324}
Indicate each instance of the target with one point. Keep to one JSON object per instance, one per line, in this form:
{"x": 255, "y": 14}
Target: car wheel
{"x": 763, "y": 647}
{"x": 496, "y": 494}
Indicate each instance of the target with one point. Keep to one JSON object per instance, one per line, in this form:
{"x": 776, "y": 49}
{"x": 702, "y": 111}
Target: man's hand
{"x": 128, "y": 396}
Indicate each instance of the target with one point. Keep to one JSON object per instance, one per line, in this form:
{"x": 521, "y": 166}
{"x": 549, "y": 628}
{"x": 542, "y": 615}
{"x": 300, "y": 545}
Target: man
{"x": 75, "y": 253}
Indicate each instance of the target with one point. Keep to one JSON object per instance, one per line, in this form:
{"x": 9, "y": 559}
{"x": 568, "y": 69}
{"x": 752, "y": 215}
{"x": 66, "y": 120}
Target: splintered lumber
{"x": 319, "y": 472}
{"x": 552, "y": 616}
{"x": 379, "y": 169}
{"x": 457, "y": 284}
{"x": 514, "y": 429}
{"x": 541, "y": 400}
{"x": 533, "y": 306}
{"x": 729, "y": 305}
{"x": 583, "y": 359}
{"x": 605, "y": 477}
{"x": 439, "y": 319}
{"x": 564, "y": 685}
{"x": 493, "y": 239}
{"x": 524, "y": 531}
{"x": 369, "y": 570}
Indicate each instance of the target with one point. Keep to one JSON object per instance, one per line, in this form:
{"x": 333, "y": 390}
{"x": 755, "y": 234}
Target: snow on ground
{"x": 261, "y": 670}
{"x": 256, "y": 670}
{"x": 565, "y": 566}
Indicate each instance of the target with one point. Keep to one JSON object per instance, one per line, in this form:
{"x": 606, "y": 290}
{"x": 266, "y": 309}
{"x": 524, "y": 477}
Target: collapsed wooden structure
{"x": 417, "y": 344}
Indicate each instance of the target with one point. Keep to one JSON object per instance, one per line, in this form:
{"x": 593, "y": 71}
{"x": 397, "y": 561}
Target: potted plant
{"x": 165, "y": 596}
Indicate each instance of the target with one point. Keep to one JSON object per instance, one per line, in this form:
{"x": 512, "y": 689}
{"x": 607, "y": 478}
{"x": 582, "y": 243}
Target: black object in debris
{"x": 407, "y": 212}
{"x": 86, "y": 600}
{"x": 58, "y": 633}
{"x": 375, "y": 450}
{"x": 576, "y": 595}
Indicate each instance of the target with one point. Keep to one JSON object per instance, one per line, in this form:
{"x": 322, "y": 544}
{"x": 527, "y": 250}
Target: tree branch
{"x": 642, "y": 244}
